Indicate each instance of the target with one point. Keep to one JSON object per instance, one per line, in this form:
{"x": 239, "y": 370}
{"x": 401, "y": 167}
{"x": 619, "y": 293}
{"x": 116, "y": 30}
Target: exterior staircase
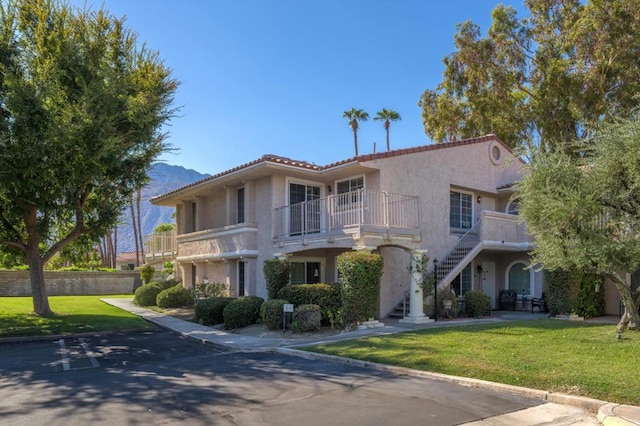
{"x": 402, "y": 308}
{"x": 459, "y": 256}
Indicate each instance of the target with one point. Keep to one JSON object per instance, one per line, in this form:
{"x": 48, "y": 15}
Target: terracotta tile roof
{"x": 270, "y": 158}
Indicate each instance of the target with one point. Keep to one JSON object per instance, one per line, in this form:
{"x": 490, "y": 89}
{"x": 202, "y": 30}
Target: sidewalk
{"x": 575, "y": 408}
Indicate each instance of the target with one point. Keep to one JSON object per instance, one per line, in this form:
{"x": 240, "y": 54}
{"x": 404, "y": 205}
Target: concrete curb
{"x": 619, "y": 415}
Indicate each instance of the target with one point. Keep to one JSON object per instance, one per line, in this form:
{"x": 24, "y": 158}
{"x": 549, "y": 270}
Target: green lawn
{"x": 553, "y": 355}
{"x": 74, "y": 314}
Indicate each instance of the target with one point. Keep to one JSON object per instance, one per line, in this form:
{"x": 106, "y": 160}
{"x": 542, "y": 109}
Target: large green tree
{"x": 81, "y": 110}
{"x": 354, "y": 116}
{"x": 584, "y": 209}
{"x": 542, "y": 79}
{"x": 387, "y": 116}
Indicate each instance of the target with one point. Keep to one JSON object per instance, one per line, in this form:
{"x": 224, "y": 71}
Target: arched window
{"x": 519, "y": 278}
{"x": 512, "y": 207}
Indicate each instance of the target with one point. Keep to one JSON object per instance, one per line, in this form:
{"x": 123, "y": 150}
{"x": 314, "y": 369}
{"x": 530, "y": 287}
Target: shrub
{"x": 590, "y": 299}
{"x": 209, "y": 311}
{"x": 212, "y": 289}
{"x": 271, "y": 313}
{"x": 307, "y": 318}
{"x": 561, "y": 289}
{"x": 360, "y": 274}
{"x": 276, "y": 273}
{"x": 147, "y": 272}
{"x": 168, "y": 284}
{"x": 175, "y": 297}
{"x": 146, "y": 294}
{"x": 476, "y": 303}
{"x": 242, "y": 312}
{"x": 327, "y": 296}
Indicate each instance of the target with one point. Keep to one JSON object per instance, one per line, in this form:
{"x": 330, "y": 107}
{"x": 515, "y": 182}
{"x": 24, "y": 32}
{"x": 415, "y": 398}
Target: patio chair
{"x": 507, "y": 298}
{"x": 541, "y": 303}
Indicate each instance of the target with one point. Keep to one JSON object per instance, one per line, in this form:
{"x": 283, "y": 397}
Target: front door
{"x": 304, "y": 213}
{"x": 488, "y": 281}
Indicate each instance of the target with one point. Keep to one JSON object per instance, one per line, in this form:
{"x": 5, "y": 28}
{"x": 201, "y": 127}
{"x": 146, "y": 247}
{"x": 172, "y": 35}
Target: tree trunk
{"x": 140, "y": 236}
{"x": 386, "y": 127}
{"x": 36, "y": 266}
{"x": 355, "y": 141}
{"x": 630, "y": 320}
{"x": 135, "y": 231}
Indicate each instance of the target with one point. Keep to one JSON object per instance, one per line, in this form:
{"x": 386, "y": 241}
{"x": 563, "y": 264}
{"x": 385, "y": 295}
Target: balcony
{"x": 160, "y": 247}
{"x": 357, "y": 214}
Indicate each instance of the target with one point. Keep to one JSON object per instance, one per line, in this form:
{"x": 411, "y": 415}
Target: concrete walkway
{"x": 559, "y": 410}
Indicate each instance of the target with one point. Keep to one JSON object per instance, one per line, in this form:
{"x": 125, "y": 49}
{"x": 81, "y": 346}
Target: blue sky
{"x": 275, "y": 76}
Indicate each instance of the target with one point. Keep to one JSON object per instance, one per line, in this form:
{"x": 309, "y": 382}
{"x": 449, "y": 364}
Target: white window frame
{"x": 471, "y": 215}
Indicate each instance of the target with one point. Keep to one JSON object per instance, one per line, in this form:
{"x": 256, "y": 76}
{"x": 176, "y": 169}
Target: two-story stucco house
{"x": 450, "y": 200}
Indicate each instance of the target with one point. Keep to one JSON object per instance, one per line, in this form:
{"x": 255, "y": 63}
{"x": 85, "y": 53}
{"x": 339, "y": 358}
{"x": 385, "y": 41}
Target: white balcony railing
{"x": 160, "y": 246}
{"x": 336, "y": 212}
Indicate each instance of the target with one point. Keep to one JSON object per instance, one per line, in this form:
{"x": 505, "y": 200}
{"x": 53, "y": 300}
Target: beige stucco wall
{"x": 17, "y": 283}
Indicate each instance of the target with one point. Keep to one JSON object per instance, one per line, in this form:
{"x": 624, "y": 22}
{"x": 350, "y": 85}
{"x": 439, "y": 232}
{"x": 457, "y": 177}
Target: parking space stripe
{"x": 64, "y": 355}
{"x": 89, "y": 353}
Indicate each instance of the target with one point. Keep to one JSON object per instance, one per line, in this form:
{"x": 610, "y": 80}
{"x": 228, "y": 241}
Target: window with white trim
{"x": 462, "y": 283}
{"x": 460, "y": 210}
{"x": 350, "y": 186}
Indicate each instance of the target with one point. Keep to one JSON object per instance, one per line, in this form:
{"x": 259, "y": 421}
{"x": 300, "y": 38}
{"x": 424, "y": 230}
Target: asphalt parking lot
{"x": 157, "y": 377}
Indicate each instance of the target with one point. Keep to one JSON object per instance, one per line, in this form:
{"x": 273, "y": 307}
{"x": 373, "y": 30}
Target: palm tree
{"x": 353, "y": 116}
{"x": 387, "y": 115}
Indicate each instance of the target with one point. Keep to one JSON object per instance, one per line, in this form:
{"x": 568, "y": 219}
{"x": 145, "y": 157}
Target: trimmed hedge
{"x": 476, "y": 303}
{"x": 168, "y": 284}
{"x": 175, "y": 297}
{"x": 276, "y": 273}
{"x": 242, "y": 312}
{"x": 307, "y": 318}
{"x": 146, "y": 294}
{"x": 209, "y": 311}
{"x": 327, "y": 296}
{"x": 360, "y": 274}
{"x": 590, "y": 300}
{"x": 271, "y": 313}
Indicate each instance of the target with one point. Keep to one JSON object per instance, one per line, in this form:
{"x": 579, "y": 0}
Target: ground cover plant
{"x": 553, "y": 355}
{"x": 74, "y": 314}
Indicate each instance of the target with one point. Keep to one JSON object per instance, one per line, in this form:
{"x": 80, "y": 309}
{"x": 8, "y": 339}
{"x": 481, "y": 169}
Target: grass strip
{"x": 73, "y": 314}
{"x": 558, "y": 356}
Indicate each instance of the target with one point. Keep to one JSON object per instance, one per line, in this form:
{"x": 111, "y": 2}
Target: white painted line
{"x": 63, "y": 354}
{"x": 89, "y": 353}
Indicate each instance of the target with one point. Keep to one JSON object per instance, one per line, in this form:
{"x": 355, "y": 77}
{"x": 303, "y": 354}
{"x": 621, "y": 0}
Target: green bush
{"x": 360, "y": 274}
{"x": 307, "y": 318}
{"x": 271, "y": 313}
{"x": 209, "y": 311}
{"x": 175, "y": 297}
{"x": 242, "y": 312}
{"x": 590, "y": 299}
{"x": 147, "y": 272}
{"x": 146, "y": 294}
{"x": 212, "y": 289}
{"x": 276, "y": 274}
{"x": 168, "y": 284}
{"x": 327, "y": 296}
{"x": 561, "y": 289}
{"x": 476, "y": 303}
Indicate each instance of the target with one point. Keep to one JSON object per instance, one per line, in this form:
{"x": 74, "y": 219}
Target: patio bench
{"x": 507, "y": 298}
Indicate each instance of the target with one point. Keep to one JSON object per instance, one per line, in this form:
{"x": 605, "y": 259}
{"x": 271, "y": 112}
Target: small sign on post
{"x": 286, "y": 308}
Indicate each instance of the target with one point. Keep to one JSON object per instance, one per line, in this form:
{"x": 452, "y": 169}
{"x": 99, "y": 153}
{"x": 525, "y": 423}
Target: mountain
{"x": 164, "y": 178}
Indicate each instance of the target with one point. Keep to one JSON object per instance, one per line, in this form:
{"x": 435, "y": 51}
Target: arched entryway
{"x": 520, "y": 277}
